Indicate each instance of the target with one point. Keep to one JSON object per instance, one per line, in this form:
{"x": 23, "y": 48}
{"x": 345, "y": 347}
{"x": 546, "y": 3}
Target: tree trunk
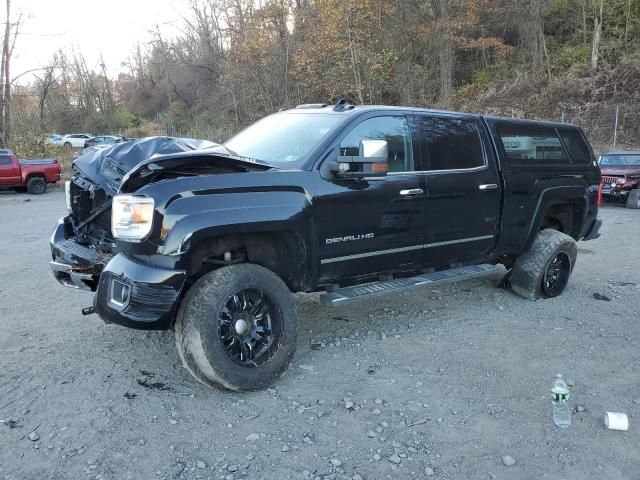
{"x": 4, "y": 79}
{"x": 446, "y": 52}
{"x": 597, "y": 37}
{"x": 531, "y": 31}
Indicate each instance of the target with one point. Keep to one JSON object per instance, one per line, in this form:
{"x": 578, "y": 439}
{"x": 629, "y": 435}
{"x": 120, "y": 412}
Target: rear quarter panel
{"x": 529, "y": 190}
{"x": 50, "y": 172}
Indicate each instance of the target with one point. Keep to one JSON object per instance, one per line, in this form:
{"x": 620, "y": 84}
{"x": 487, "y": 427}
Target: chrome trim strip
{"x": 440, "y": 172}
{"x": 462, "y": 240}
{"x": 325, "y": 261}
{"x": 370, "y": 254}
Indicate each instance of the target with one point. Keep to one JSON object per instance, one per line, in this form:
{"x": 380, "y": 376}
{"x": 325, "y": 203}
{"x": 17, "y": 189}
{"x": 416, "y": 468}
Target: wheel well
{"x": 35, "y": 175}
{"x": 563, "y": 217}
{"x": 281, "y": 252}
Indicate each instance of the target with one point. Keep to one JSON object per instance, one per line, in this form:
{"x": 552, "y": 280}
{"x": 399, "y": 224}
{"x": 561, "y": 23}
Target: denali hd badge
{"x": 350, "y": 238}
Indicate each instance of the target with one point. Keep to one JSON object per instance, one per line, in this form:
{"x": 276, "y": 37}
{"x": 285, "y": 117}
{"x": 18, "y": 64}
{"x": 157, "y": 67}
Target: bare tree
{"x": 43, "y": 84}
{"x": 445, "y": 48}
{"x": 597, "y": 37}
{"x": 10, "y": 36}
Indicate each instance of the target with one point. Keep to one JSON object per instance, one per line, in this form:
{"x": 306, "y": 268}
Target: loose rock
{"x": 395, "y": 459}
{"x": 34, "y": 437}
{"x": 252, "y": 437}
{"x": 335, "y": 462}
{"x": 508, "y": 461}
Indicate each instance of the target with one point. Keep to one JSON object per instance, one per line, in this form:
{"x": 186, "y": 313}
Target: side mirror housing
{"x": 372, "y": 161}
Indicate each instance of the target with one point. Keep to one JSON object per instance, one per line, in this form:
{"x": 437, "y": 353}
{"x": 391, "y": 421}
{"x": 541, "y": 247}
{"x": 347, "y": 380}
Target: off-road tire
{"x": 36, "y": 185}
{"x": 67, "y": 145}
{"x": 529, "y": 269}
{"x": 633, "y": 199}
{"x": 196, "y": 328}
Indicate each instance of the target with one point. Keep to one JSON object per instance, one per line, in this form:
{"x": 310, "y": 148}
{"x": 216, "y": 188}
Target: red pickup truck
{"x": 30, "y": 175}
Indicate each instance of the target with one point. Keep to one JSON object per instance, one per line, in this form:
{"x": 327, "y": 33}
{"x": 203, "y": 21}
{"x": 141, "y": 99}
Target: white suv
{"x": 75, "y": 140}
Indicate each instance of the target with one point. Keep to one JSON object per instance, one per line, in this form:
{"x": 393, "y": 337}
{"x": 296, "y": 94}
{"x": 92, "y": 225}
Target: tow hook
{"x": 89, "y": 310}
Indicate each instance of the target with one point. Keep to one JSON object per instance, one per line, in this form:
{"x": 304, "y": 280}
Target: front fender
{"x": 190, "y": 219}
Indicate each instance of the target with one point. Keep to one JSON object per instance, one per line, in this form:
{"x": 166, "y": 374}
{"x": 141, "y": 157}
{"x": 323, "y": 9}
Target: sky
{"x": 108, "y": 27}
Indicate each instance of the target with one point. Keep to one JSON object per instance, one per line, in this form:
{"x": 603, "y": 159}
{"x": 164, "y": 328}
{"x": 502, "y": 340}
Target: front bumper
{"x": 614, "y": 193}
{"x": 128, "y": 292}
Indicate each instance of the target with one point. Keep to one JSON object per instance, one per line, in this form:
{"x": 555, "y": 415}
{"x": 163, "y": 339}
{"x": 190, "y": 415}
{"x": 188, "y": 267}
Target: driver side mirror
{"x": 372, "y": 161}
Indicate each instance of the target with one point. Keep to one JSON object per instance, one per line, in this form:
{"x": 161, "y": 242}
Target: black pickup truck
{"x": 355, "y": 201}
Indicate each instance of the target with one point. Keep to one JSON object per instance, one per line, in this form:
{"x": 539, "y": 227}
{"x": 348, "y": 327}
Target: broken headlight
{"x": 131, "y": 217}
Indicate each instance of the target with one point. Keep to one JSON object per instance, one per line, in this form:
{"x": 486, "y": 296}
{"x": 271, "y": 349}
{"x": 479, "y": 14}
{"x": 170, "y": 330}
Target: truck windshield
{"x": 283, "y": 139}
{"x": 620, "y": 160}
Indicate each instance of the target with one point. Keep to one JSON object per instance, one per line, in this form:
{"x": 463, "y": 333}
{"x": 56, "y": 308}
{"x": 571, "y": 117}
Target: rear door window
{"x": 576, "y": 145}
{"x": 524, "y": 144}
{"x": 5, "y": 160}
{"x": 452, "y": 143}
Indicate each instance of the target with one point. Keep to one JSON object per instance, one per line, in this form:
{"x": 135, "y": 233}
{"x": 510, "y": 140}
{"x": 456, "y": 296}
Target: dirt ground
{"x": 440, "y": 383}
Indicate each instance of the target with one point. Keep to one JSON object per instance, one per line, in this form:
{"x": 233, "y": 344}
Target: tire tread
{"x": 528, "y": 271}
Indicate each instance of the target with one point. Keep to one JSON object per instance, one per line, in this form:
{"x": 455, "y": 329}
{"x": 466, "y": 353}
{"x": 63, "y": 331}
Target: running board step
{"x": 346, "y": 295}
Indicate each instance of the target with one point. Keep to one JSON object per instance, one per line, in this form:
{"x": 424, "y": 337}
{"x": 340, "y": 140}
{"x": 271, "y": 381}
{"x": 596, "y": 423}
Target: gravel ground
{"x": 440, "y": 383}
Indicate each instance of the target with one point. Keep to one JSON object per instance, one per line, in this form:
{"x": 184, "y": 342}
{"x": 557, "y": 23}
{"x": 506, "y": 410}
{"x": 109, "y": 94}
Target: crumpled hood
{"x": 108, "y": 166}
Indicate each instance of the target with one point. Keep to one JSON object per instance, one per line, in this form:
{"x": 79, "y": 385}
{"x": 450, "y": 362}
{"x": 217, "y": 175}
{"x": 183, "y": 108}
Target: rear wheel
{"x": 36, "y": 186}
{"x": 236, "y": 328}
{"x": 544, "y": 271}
{"x": 633, "y": 199}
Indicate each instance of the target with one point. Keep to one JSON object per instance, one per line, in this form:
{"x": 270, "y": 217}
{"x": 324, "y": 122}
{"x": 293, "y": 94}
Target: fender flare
{"x": 549, "y": 197}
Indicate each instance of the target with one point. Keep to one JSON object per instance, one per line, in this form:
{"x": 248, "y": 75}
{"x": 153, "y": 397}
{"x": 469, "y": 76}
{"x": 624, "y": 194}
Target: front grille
{"x": 609, "y": 180}
{"x": 86, "y": 199}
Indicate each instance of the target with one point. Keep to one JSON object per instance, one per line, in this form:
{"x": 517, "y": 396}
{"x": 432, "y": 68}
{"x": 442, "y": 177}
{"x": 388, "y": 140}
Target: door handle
{"x": 411, "y": 192}
{"x": 488, "y": 186}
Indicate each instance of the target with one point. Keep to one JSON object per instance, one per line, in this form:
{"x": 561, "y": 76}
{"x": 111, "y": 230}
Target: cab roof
{"x": 347, "y": 109}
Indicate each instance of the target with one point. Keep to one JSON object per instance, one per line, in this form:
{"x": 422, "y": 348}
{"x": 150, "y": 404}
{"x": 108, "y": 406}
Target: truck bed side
{"x": 546, "y": 184}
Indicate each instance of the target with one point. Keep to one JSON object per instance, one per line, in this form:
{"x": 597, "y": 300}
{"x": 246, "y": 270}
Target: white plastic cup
{"x": 616, "y": 421}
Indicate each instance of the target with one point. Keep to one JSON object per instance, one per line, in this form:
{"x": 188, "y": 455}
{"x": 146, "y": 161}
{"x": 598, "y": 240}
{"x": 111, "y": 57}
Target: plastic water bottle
{"x": 560, "y": 402}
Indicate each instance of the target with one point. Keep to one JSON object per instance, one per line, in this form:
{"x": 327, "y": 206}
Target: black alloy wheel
{"x": 236, "y": 327}
{"x": 249, "y": 327}
{"x": 557, "y": 275}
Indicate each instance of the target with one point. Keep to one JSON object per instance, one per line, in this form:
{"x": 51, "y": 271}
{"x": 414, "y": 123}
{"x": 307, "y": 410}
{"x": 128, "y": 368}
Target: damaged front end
{"x": 82, "y": 244}
{"x": 134, "y": 285}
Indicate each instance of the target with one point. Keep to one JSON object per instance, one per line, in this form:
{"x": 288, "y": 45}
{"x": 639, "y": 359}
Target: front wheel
{"x": 544, "y": 271}
{"x": 633, "y": 199}
{"x": 237, "y": 327}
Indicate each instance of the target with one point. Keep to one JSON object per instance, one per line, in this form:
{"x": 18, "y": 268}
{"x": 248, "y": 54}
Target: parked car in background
{"x": 53, "y": 139}
{"x": 104, "y": 140}
{"x": 621, "y": 177}
{"x": 30, "y": 175}
{"x": 75, "y": 140}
